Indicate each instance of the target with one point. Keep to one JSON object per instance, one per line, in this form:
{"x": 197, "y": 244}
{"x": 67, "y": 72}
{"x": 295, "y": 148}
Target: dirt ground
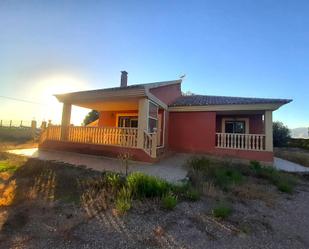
{"x": 44, "y": 205}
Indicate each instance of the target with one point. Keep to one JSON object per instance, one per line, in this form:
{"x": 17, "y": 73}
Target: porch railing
{"x": 126, "y": 137}
{"x": 240, "y": 141}
{"x": 150, "y": 143}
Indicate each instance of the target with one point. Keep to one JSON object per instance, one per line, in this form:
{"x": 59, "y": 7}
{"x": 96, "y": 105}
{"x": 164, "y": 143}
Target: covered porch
{"x": 128, "y": 123}
{"x": 244, "y": 131}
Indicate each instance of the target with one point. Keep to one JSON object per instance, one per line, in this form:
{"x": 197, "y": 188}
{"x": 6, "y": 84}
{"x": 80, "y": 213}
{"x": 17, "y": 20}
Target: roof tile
{"x": 202, "y": 100}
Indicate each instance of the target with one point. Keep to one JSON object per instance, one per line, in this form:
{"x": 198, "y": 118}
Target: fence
{"x": 19, "y": 130}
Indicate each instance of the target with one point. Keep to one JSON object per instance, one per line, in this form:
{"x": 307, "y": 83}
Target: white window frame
{"x": 246, "y": 120}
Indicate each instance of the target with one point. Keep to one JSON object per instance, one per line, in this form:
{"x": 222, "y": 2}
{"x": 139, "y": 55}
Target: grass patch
{"x": 208, "y": 176}
{"x": 144, "y": 186}
{"x": 222, "y": 175}
{"x": 169, "y": 201}
{"x": 283, "y": 181}
{"x": 6, "y": 166}
{"x": 222, "y": 210}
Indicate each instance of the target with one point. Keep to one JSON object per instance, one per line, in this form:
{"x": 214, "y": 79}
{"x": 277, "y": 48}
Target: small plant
{"x": 123, "y": 200}
{"x": 192, "y": 194}
{"x": 169, "y": 201}
{"x": 224, "y": 177}
{"x": 285, "y": 187}
{"x": 114, "y": 180}
{"x": 125, "y": 158}
{"x": 222, "y": 210}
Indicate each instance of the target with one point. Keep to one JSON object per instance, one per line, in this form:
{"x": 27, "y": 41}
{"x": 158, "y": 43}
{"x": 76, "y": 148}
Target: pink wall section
{"x": 192, "y": 131}
{"x": 167, "y": 94}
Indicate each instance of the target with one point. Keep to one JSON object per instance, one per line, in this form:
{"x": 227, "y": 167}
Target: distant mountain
{"x": 301, "y": 132}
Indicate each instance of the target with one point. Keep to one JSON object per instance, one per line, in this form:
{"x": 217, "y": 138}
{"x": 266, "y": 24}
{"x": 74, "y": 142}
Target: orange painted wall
{"x": 167, "y": 94}
{"x": 256, "y": 125}
{"x": 192, "y": 131}
{"x": 108, "y": 118}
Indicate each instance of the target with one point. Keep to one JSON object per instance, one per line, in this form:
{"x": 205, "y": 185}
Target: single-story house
{"x": 149, "y": 120}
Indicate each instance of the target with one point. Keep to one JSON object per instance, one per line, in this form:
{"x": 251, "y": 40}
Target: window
{"x": 152, "y": 117}
{"x": 235, "y": 127}
{"x": 128, "y": 121}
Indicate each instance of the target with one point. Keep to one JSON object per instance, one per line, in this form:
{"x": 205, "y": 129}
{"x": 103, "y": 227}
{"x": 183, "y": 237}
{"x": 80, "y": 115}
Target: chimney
{"x": 124, "y": 79}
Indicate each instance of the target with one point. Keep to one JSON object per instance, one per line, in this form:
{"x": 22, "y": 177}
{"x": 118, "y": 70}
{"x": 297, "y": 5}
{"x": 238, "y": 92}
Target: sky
{"x": 232, "y": 48}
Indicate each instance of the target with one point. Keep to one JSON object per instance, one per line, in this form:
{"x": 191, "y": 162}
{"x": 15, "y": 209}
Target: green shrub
{"x": 144, "y": 186}
{"x": 222, "y": 210}
{"x": 123, "y": 200}
{"x": 169, "y": 201}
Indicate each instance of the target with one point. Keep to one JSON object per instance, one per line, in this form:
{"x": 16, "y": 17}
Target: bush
{"x": 144, "y": 186}
{"x": 124, "y": 200}
{"x": 222, "y": 210}
{"x": 169, "y": 201}
{"x": 281, "y": 134}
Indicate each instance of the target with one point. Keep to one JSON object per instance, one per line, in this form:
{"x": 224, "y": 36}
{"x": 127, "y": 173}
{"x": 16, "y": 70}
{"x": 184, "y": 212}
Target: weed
{"x": 192, "y": 194}
{"x": 285, "y": 186}
{"x": 169, "y": 201}
{"x": 224, "y": 178}
{"x": 222, "y": 210}
{"x": 123, "y": 201}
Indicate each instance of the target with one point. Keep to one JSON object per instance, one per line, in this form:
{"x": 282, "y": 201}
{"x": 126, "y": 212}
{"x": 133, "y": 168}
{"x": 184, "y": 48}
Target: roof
{"x": 205, "y": 100}
{"x": 131, "y": 90}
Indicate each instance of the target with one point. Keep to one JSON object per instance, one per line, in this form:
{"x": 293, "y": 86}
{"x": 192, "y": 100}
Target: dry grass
{"x": 14, "y": 145}
{"x": 296, "y": 155}
{"x": 254, "y": 191}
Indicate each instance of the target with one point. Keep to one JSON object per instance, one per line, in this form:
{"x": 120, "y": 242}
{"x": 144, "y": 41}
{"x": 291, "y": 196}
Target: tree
{"x": 281, "y": 134}
{"x": 91, "y": 116}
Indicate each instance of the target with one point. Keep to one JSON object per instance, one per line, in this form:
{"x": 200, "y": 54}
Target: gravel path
{"x": 252, "y": 225}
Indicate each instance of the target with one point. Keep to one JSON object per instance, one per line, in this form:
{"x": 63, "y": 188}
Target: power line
{"x": 21, "y": 100}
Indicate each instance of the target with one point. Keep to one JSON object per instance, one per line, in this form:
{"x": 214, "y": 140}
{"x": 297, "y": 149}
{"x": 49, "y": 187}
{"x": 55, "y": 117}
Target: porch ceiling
{"x": 111, "y": 105}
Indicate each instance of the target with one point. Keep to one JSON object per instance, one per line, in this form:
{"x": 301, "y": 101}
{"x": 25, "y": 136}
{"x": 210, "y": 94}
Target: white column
{"x": 268, "y": 122}
{"x": 66, "y": 119}
{"x": 143, "y": 109}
